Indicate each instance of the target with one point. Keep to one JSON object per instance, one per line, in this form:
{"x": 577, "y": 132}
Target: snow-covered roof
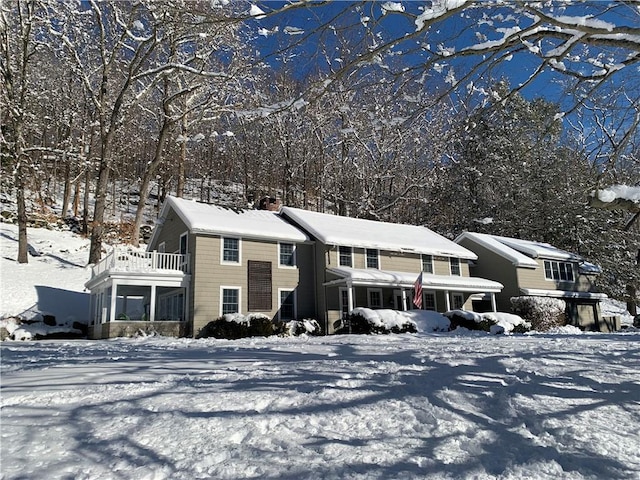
{"x": 536, "y": 292}
{"x": 211, "y": 219}
{"x": 520, "y": 252}
{"x": 375, "y": 277}
{"x": 491, "y": 242}
{"x": 357, "y": 232}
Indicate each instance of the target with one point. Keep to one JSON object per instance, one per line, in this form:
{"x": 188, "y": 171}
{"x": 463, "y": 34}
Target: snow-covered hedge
{"x": 494, "y": 322}
{"x": 543, "y": 313}
{"x": 366, "y": 321}
{"x": 235, "y": 325}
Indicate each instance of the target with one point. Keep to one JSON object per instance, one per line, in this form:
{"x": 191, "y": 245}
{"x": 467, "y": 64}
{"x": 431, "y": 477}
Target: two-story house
{"x": 204, "y": 261}
{"x": 366, "y": 263}
{"x": 528, "y": 268}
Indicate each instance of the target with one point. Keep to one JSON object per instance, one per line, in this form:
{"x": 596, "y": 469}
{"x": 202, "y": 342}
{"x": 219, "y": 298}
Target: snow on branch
{"x": 617, "y": 197}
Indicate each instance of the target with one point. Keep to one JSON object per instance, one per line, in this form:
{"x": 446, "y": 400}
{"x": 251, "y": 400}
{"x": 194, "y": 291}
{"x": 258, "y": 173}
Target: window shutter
{"x": 259, "y": 277}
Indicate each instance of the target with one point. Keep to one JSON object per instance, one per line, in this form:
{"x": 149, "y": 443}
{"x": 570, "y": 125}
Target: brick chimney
{"x": 269, "y": 203}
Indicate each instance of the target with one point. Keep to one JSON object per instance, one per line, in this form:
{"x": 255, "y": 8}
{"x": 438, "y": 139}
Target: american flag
{"x": 417, "y": 292}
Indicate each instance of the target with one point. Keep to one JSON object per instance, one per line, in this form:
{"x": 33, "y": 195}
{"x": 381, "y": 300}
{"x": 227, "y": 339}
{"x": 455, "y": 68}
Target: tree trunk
{"x": 97, "y": 229}
{"x": 23, "y": 256}
{"x": 85, "y": 202}
{"x": 66, "y": 196}
{"x": 182, "y": 161}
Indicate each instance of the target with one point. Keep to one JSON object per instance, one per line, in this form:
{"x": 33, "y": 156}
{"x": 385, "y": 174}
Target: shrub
{"x": 308, "y": 326}
{"x": 469, "y": 320}
{"x": 234, "y": 326}
{"x": 543, "y": 313}
{"x": 364, "y": 321}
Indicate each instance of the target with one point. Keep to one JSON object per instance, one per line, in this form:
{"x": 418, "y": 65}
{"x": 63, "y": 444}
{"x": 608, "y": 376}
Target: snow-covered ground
{"x": 343, "y": 407}
{"x": 440, "y": 405}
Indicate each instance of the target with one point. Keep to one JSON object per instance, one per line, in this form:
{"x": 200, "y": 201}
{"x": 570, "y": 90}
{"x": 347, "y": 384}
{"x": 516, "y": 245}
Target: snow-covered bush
{"x": 367, "y": 321}
{"x": 543, "y": 313}
{"x": 468, "y": 320}
{"x": 308, "y": 326}
{"x": 234, "y": 325}
{"x": 493, "y": 322}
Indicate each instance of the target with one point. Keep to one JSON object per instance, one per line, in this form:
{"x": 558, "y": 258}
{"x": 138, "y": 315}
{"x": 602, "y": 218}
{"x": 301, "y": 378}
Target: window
{"x": 559, "y": 271}
{"x": 454, "y": 264}
{"x": 372, "y": 258}
{"x": 375, "y": 297}
{"x": 458, "y": 301}
{"x": 287, "y": 255}
{"x": 427, "y": 263}
{"x": 162, "y": 247}
{"x": 230, "y": 300}
{"x": 183, "y": 243}
{"x": 230, "y": 250}
{"x": 429, "y": 301}
{"x": 259, "y": 286}
{"x": 287, "y": 304}
{"x": 346, "y": 256}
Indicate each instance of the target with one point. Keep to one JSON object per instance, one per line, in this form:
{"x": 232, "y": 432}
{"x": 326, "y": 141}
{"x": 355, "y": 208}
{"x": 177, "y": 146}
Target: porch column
{"x": 152, "y": 307}
{"x": 114, "y": 295}
{"x": 447, "y": 301}
{"x": 493, "y": 302}
{"x": 404, "y": 299}
{"x": 350, "y": 296}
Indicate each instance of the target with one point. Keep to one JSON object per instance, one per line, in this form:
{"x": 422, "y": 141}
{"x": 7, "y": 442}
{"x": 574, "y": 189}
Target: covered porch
{"x": 350, "y": 288}
{"x": 135, "y": 291}
{"x": 582, "y": 308}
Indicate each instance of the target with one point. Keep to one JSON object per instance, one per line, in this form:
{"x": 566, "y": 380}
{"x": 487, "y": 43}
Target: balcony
{"x": 133, "y": 261}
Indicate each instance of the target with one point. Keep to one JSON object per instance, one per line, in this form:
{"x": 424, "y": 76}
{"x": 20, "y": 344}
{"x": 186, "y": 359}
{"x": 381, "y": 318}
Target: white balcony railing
{"x": 127, "y": 260}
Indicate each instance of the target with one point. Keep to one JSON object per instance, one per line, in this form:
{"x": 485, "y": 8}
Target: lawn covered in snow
{"x": 428, "y": 406}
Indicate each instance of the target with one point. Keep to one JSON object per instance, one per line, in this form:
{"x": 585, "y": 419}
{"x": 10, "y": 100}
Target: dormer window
{"x": 346, "y": 256}
{"x": 558, "y": 271}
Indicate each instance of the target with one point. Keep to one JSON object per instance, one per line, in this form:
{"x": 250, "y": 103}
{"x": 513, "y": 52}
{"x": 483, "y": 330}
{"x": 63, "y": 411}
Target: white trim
{"x": 435, "y": 300}
{"x": 459, "y": 274}
{"x": 184, "y": 235}
{"x": 293, "y": 254}
{"x": 339, "y": 255}
{"x": 432, "y": 270}
{"x": 369, "y": 292}
{"x": 230, "y": 287}
{"x": 226, "y": 262}
{"x": 294, "y": 291}
{"x": 559, "y": 263}
{"x": 535, "y": 292}
{"x": 366, "y": 258}
{"x": 458, "y": 295}
{"x": 385, "y": 278}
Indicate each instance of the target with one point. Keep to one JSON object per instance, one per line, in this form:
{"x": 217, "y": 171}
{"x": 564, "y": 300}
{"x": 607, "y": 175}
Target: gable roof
{"x": 357, "y": 232}
{"x": 210, "y": 219}
{"x": 522, "y": 252}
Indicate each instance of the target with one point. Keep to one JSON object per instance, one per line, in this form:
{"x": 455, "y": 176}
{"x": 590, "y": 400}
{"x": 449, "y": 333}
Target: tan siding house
{"x": 214, "y": 261}
{"x": 364, "y": 263}
{"x": 528, "y": 268}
